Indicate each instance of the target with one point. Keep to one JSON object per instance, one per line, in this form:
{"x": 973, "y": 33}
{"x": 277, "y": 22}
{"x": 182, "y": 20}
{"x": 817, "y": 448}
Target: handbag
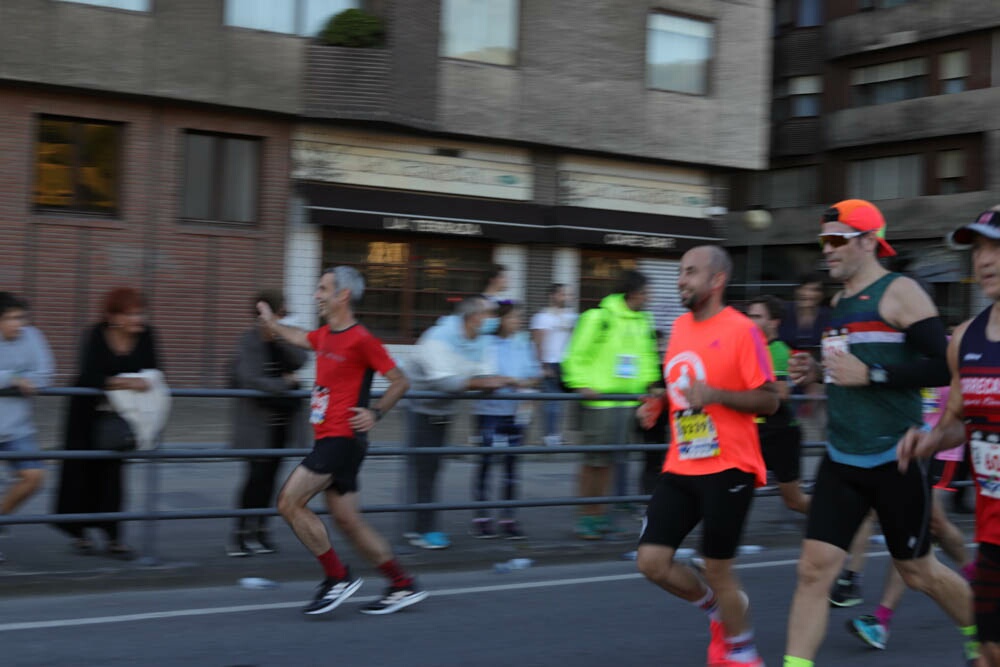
{"x": 113, "y": 433}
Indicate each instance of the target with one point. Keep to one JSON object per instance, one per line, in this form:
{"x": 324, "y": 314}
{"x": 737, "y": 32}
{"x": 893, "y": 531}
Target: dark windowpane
{"x": 601, "y": 275}
{"x": 76, "y": 166}
{"x": 221, "y": 176}
{"x": 409, "y": 283}
{"x": 199, "y": 158}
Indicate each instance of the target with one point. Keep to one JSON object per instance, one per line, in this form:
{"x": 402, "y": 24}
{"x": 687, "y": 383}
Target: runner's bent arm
{"x": 760, "y": 401}
{"x": 950, "y": 430}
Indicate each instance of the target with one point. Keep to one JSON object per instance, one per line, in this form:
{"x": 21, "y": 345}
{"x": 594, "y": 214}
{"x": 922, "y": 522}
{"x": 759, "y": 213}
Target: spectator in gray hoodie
{"x": 25, "y": 367}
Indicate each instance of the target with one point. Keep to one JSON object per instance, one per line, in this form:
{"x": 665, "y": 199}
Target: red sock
{"x": 332, "y": 566}
{"x": 394, "y": 572}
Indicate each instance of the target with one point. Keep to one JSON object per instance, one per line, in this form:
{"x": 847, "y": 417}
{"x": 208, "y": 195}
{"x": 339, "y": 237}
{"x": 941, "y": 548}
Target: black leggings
{"x": 261, "y": 477}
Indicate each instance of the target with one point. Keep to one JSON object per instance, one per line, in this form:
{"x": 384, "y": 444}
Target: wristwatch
{"x": 877, "y": 375}
{"x": 378, "y": 413}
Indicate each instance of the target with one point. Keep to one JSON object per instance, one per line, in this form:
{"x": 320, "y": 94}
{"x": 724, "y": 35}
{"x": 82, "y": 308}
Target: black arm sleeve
{"x": 927, "y": 337}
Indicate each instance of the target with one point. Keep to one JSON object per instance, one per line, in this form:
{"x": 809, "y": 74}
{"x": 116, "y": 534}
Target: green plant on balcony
{"x": 354, "y": 28}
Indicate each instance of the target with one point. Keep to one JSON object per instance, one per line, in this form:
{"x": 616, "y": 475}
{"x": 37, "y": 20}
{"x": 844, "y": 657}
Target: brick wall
{"x": 199, "y": 278}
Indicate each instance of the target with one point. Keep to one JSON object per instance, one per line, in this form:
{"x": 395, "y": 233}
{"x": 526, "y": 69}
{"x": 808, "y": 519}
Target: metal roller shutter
{"x": 665, "y": 302}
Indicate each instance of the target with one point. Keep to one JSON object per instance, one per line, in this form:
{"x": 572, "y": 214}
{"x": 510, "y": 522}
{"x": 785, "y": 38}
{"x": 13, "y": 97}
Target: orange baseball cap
{"x": 863, "y": 216}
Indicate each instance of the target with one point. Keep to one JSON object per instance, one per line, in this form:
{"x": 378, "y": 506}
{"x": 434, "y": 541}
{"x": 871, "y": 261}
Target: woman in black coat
{"x": 120, "y": 343}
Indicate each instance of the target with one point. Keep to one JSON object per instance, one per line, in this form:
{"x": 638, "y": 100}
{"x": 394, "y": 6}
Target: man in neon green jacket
{"x": 612, "y": 351}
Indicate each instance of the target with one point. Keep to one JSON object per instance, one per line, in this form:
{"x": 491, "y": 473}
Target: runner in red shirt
{"x": 347, "y": 357}
{"x": 718, "y": 376}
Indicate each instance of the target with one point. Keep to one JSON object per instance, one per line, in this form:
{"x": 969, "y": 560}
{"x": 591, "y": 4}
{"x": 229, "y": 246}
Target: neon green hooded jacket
{"x": 612, "y": 351}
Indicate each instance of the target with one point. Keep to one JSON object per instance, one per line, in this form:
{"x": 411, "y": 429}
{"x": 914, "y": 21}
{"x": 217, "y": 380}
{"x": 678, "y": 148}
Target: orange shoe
{"x": 717, "y": 649}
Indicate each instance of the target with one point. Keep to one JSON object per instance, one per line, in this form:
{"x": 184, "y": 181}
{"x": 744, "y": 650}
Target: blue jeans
{"x": 494, "y": 432}
{"x": 552, "y": 410}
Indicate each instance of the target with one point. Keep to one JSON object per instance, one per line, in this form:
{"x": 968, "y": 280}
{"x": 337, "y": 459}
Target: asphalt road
{"x": 583, "y": 615}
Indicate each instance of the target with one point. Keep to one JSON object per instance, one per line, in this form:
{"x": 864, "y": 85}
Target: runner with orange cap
{"x": 885, "y": 341}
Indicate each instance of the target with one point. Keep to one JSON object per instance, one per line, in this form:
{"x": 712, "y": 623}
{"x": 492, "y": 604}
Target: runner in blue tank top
{"x": 973, "y": 415}
{"x": 886, "y": 341}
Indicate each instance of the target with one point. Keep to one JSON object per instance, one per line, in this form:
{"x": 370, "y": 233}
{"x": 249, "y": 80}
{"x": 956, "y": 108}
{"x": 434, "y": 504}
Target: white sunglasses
{"x": 838, "y": 239}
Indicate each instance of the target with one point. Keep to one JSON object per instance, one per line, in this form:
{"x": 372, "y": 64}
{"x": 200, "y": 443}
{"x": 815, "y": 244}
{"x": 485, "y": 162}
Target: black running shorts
{"x": 844, "y": 495}
{"x": 782, "y": 450}
{"x": 720, "y": 501}
{"x": 986, "y": 592}
{"x": 340, "y": 458}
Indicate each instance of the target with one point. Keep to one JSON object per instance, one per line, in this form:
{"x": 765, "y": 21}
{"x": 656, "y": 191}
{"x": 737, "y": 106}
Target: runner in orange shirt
{"x": 718, "y": 377}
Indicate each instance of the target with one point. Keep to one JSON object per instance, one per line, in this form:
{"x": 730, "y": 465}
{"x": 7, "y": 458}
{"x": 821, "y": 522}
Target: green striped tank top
{"x": 865, "y": 423}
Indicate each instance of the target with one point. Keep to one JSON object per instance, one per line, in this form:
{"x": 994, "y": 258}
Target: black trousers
{"x": 261, "y": 478}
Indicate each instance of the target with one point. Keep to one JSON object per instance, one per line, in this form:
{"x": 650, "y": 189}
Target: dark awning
{"x": 514, "y": 222}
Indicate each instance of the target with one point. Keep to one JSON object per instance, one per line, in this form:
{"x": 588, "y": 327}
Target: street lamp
{"x": 755, "y": 219}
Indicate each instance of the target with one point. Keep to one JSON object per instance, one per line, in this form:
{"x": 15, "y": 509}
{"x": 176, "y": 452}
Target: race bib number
{"x": 500, "y": 440}
{"x": 626, "y": 366}
{"x": 697, "y": 437}
{"x": 318, "y": 404}
{"x": 986, "y": 462}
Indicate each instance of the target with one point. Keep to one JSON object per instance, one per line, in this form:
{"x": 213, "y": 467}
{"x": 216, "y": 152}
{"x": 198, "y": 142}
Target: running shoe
{"x": 482, "y": 529}
{"x": 586, "y": 529}
{"x": 237, "y": 546}
{"x": 433, "y": 540}
{"x": 394, "y": 599}
{"x": 869, "y": 630}
{"x": 261, "y": 543}
{"x": 845, "y": 593}
{"x": 331, "y": 593}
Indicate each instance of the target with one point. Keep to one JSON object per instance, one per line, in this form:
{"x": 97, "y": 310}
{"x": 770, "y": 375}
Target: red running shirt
{"x": 346, "y": 362}
{"x": 726, "y": 351}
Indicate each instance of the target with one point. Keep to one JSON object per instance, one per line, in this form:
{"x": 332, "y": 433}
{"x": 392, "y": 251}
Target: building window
{"x": 889, "y": 82}
{"x": 601, "y": 274}
{"x": 786, "y": 188}
{"x": 804, "y": 96}
{"x": 810, "y": 13}
{"x": 484, "y": 31}
{"x": 678, "y": 52}
{"x": 954, "y": 71}
{"x": 951, "y": 172}
{"x": 77, "y": 166}
{"x": 410, "y": 283}
{"x": 293, "y": 17}
{"x": 131, "y": 5}
{"x": 221, "y": 177}
{"x": 896, "y": 177}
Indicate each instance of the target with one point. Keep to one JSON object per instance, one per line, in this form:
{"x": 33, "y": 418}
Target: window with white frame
{"x": 896, "y": 177}
{"x": 889, "y": 82}
{"x": 221, "y": 177}
{"x": 131, "y": 5}
{"x": 293, "y": 17}
{"x": 678, "y": 53}
{"x": 954, "y": 71}
{"x": 484, "y": 31}
{"x": 951, "y": 171}
{"x": 804, "y": 96}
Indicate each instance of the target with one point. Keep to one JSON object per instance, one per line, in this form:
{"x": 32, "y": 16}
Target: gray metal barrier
{"x": 218, "y": 452}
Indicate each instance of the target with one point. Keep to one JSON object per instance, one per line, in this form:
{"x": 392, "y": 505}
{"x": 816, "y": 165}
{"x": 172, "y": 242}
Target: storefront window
{"x": 410, "y": 283}
{"x": 601, "y": 275}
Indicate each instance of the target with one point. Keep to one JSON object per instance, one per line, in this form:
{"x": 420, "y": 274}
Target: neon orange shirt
{"x": 726, "y": 351}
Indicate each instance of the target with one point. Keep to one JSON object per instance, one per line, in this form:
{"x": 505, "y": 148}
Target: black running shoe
{"x": 261, "y": 543}
{"x": 845, "y": 593}
{"x": 394, "y": 599}
{"x": 237, "y": 546}
{"x": 331, "y": 593}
